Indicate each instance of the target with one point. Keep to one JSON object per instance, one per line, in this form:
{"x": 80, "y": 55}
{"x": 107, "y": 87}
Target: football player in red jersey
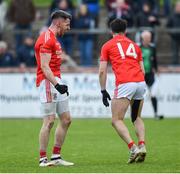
{"x": 127, "y": 64}
{"x": 53, "y": 93}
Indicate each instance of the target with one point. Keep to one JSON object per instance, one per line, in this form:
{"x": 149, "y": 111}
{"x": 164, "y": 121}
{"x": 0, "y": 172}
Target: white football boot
{"x": 43, "y": 162}
{"x": 56, "y": 160}
{"x": 142, "y": 153}
{"x": 134, "y": 153}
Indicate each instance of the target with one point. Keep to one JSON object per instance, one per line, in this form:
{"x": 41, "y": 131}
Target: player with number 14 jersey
{"x": 127, "y": 64}
{"x": 124, "y": 56}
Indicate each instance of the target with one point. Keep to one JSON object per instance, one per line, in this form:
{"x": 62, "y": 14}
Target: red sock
{"x": 56, "y": 150}
{"x": 42, "y": 154}
{"x": 130, "y": 144}
{"x": 141, "y": 142}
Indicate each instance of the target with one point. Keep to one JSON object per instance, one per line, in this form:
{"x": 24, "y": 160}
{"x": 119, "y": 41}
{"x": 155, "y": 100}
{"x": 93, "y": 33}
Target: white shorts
{"x": 54, "y": 108}
{"x": 131, "y": 90}
{"x": 52, "y": 101}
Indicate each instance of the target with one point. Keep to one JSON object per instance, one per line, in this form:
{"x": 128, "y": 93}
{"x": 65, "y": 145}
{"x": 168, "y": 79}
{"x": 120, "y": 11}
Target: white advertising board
{"x": 19, "y": 96}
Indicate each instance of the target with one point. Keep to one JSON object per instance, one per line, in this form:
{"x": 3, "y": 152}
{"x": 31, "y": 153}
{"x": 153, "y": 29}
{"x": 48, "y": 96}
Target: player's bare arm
{"x": 103, "y": 74}
{"x": 45, "y": 59}
{"x": 102, "y": 81}
{"x": 142, "y": 66}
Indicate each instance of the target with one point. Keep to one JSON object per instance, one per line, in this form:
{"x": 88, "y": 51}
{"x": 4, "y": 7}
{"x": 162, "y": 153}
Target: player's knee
{"x": 114, "y": 121}
{"x": 66, "y": 121}
{"x": 50, "y": 124}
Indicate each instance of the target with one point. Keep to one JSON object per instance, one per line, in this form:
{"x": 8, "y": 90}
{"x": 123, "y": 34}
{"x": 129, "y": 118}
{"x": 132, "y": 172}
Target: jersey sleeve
{"x": 47, "y": 47}
{"x": 104, "y": 53}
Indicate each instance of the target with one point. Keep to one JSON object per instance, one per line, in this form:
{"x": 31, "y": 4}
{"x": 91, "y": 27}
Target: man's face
{"x": 63, "y": 4}
{"x": 2, "y": 50}
{"x": 120, "y": 3}
{"x": 146, "y": 37}
{"x": 146, "y": 8}
{"x": 177, "y": 8}
{"x": 29, "y": 41}
{"x": 63, "y": 26}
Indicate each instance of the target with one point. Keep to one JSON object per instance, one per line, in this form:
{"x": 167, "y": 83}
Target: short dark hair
{"x": 118, "y": 25}
{"x": 60, "y": 14}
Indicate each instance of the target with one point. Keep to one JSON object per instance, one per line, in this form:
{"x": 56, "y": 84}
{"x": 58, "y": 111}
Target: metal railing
{"x": 98, "y": 32}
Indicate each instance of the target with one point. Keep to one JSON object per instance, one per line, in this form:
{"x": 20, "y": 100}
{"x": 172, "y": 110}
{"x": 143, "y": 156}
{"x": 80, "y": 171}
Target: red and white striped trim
{"x": 47, "y": 36}
{"x": 48, "y": 91}
{"x": 116, "y": 92}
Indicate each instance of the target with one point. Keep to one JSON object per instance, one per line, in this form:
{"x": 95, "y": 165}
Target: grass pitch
{"x": 92, "y": 145}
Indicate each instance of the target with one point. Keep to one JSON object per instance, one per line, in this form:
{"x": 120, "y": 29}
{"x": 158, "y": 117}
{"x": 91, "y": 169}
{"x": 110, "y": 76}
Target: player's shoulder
{"x": 107, "y": 44}
{"x": 136, "y": 45}
{"x": 46, "y": 36}
{"x": 133, "y": 42}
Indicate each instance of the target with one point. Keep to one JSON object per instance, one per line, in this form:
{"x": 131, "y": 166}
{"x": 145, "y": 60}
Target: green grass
{"x": 41, "y": 3}
{"x": 45, "y": 3}
{"x": 92, "y": 145}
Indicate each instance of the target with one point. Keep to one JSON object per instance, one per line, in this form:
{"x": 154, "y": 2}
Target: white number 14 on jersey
{"x": 131, "y": 52}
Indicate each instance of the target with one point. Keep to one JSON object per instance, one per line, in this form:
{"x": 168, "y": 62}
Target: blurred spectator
{"x": 84, "y": 21}
{"x": 66, "y": 40}
{"x": 146, "y": 17}
{"x": 55, "y": 3}
{"x": 6, "y": 58}
{"x": 25, "y": 53}
{"x": 122, "y": 11}
{"x": 93, "y": 10}
{"x": 153, "y": 5}
{"x": 3, "y": 10}
{"x": 53, "y": 6}
{"x": 167, "y": 7}
{"x": 22, "y": 13}
{"x": 174, "y": 22}
{"x": 111, "y": 5}
{"x": 138, "y": 5}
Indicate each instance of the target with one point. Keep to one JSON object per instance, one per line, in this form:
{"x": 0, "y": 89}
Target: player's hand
{"x": 62, "y": 88}
{"x": 105, "y": 97}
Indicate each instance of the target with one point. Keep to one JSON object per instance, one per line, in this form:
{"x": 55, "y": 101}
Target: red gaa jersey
{"x": 124, "y": 56}
{"x": 47, "y": 43}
